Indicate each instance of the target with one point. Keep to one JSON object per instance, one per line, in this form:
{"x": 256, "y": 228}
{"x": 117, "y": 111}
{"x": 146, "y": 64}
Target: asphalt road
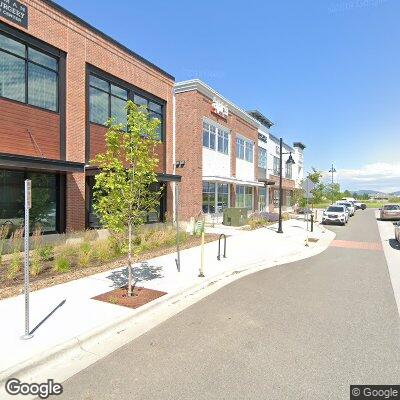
{"x": 305, "y": 330}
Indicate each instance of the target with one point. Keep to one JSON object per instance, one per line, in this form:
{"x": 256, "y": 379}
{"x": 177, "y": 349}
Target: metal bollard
{"x": 312, "y": 222}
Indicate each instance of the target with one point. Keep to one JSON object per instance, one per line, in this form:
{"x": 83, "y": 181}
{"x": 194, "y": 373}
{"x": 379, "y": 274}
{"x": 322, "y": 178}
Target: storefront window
{"x": 223, "y": 197}
{"x": 244, "y": 197}
{"x": 262, "y": 198}
{"x": 208, "y": 197}
{"x": 28, "y": 75}
{"x": 44, "y": 199}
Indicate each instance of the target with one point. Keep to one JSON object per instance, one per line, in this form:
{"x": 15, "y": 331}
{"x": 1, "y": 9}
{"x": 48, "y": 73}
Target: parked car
{"x": 358, "y": 205}
{"x": 397, "y": 231}
{"x": 349, "y": 205}
{"x": 336, "y": 213}
{"x": 390, "y": 212}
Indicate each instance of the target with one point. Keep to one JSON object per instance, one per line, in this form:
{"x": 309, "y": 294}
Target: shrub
{"x": 36, "y": 264}
{"x": 84, "y": 255}
{"x": 46, "y": 252}
{"x": 15, "y": 266}
{"x": 102, "y": 250}
{"x": 4, "y": 229}
{"x": 257, "y": 222}
{"x": 61, "y": 264}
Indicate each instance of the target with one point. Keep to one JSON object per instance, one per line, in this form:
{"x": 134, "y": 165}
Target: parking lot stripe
{"x": 348, "y": 244}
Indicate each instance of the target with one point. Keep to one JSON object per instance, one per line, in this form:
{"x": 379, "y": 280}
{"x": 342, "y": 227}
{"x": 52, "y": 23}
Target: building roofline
{"x": 203, "y": 88}
{"x": 276, "y": 140}
{"x": 80, "y": 21}
{"x": 299, "y": 145}
{"x": 261, "y": 118}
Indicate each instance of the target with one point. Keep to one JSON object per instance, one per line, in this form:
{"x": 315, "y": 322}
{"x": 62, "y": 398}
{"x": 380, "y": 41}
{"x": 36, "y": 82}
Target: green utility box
{"x": 235, "y": 216}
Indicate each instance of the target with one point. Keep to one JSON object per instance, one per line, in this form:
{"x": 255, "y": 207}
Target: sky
{"x": 326, "y": 72}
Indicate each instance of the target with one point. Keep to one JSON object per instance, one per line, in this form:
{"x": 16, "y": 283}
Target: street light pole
{"x": 290, "y": 161}
{"x": 332, "y": 171}
{"x": 280, "y": 186}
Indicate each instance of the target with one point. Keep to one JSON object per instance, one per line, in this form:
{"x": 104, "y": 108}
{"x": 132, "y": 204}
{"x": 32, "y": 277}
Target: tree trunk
{"x": 130, "y": 293}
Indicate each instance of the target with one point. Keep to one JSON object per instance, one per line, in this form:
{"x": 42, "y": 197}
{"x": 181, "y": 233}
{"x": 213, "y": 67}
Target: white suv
{"x": 335, "y": 214}
{"x": 350, "y": 206}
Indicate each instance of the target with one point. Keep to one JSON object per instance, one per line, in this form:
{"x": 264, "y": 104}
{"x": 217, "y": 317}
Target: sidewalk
{"x": 77, "y": 316}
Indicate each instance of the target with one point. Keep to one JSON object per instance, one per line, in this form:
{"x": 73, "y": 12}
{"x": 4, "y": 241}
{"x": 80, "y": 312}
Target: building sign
{"x": 14, "y": 11}
{"x": 220, "y": 108}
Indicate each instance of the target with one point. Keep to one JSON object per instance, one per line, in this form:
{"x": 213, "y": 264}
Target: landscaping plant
{"x": 125, "y": 189}
{"x": 4, "y": 229}
{"x": 16, "y": 260}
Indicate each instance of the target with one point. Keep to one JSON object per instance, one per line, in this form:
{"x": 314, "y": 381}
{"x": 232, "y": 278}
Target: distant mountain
{"x": 370, "y": 192}
{"x": 396, "y": 193}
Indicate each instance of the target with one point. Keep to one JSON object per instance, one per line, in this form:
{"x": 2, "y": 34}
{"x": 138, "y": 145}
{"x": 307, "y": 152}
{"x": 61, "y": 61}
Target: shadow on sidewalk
{"x": 47, "y": 317}
{"x": 145, "y": 272}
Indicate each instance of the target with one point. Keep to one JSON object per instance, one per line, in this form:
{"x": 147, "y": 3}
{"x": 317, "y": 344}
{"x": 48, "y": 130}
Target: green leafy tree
{"x": 332, "y": 191}
{"x": 124, "y": 189}
{"x": 318, "y": 192}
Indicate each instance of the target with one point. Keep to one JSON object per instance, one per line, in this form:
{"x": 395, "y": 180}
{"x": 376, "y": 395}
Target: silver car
{"x": 390, "y": 212}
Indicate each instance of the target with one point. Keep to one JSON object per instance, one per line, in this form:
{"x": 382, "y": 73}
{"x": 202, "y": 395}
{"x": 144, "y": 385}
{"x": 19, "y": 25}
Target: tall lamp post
{"x": 289, "y": 161}
{"x": 332, "y": 171}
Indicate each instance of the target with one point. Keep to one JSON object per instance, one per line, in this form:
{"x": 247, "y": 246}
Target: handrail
{"x": 219, "y": 246}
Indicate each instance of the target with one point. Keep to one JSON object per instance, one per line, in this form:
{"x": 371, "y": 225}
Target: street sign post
{"x": 28, "y": 205}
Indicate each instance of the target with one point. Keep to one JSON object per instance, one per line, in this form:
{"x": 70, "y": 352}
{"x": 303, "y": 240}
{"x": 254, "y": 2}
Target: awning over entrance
{"x": 39, "y": 164}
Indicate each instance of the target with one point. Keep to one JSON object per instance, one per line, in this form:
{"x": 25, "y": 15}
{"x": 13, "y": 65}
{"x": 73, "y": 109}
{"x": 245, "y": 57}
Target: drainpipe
{"x": 174, "y": 154}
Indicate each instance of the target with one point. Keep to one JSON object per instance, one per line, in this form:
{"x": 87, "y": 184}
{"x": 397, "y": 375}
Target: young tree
{"x": 122, "y": 194}
{"x": 318, "y": 192}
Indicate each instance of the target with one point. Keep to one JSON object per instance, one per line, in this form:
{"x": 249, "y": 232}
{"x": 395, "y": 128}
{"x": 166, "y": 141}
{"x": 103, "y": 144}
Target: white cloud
{"x": 382, "y": 176}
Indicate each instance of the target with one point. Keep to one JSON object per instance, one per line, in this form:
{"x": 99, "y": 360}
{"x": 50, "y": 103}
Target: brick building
{"x": 60, "y": 80}
{"x": 230, "y": 157}
{"x": 217, "y": 141}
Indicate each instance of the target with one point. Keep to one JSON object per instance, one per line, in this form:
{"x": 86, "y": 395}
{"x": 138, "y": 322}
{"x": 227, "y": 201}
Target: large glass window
{"x": 262, "y": 158}
{"x": 222, "y": 196}
{"x": 223, "y": 141}
{"x": 107, "y": 100}
{"x": 28, "y": 75}
{"x": 208, "y": 197}
{"x": 215, "y": 138}
{"x": 209, "y": 132}
{"x": 44, "y": 199}
{"x": 262, "y": 198}
{"x": 276, "y": 166}
{"x": 244, "y": 197}
{"x": 244, "y": 149}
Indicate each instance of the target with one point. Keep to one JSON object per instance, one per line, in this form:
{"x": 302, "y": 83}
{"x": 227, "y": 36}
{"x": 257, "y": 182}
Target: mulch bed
{"x": 9, "y": 288}
{"x": 120, "y": 296}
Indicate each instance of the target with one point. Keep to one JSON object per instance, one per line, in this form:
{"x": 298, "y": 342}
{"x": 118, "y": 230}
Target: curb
{"x": 76, "y": 345}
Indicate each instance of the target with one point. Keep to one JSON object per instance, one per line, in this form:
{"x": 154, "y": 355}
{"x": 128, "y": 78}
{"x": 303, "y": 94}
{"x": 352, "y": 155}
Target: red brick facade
{"x": 192, "y": 106}
{"x": 83, "y": 46}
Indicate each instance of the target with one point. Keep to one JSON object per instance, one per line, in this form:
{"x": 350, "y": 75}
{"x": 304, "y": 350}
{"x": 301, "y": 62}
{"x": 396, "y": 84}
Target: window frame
{"x": 33, "y": 44}
{"x": 132, "y": 92}
{"x": 262, "y": 158}
{"x": 242, "y": 147}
